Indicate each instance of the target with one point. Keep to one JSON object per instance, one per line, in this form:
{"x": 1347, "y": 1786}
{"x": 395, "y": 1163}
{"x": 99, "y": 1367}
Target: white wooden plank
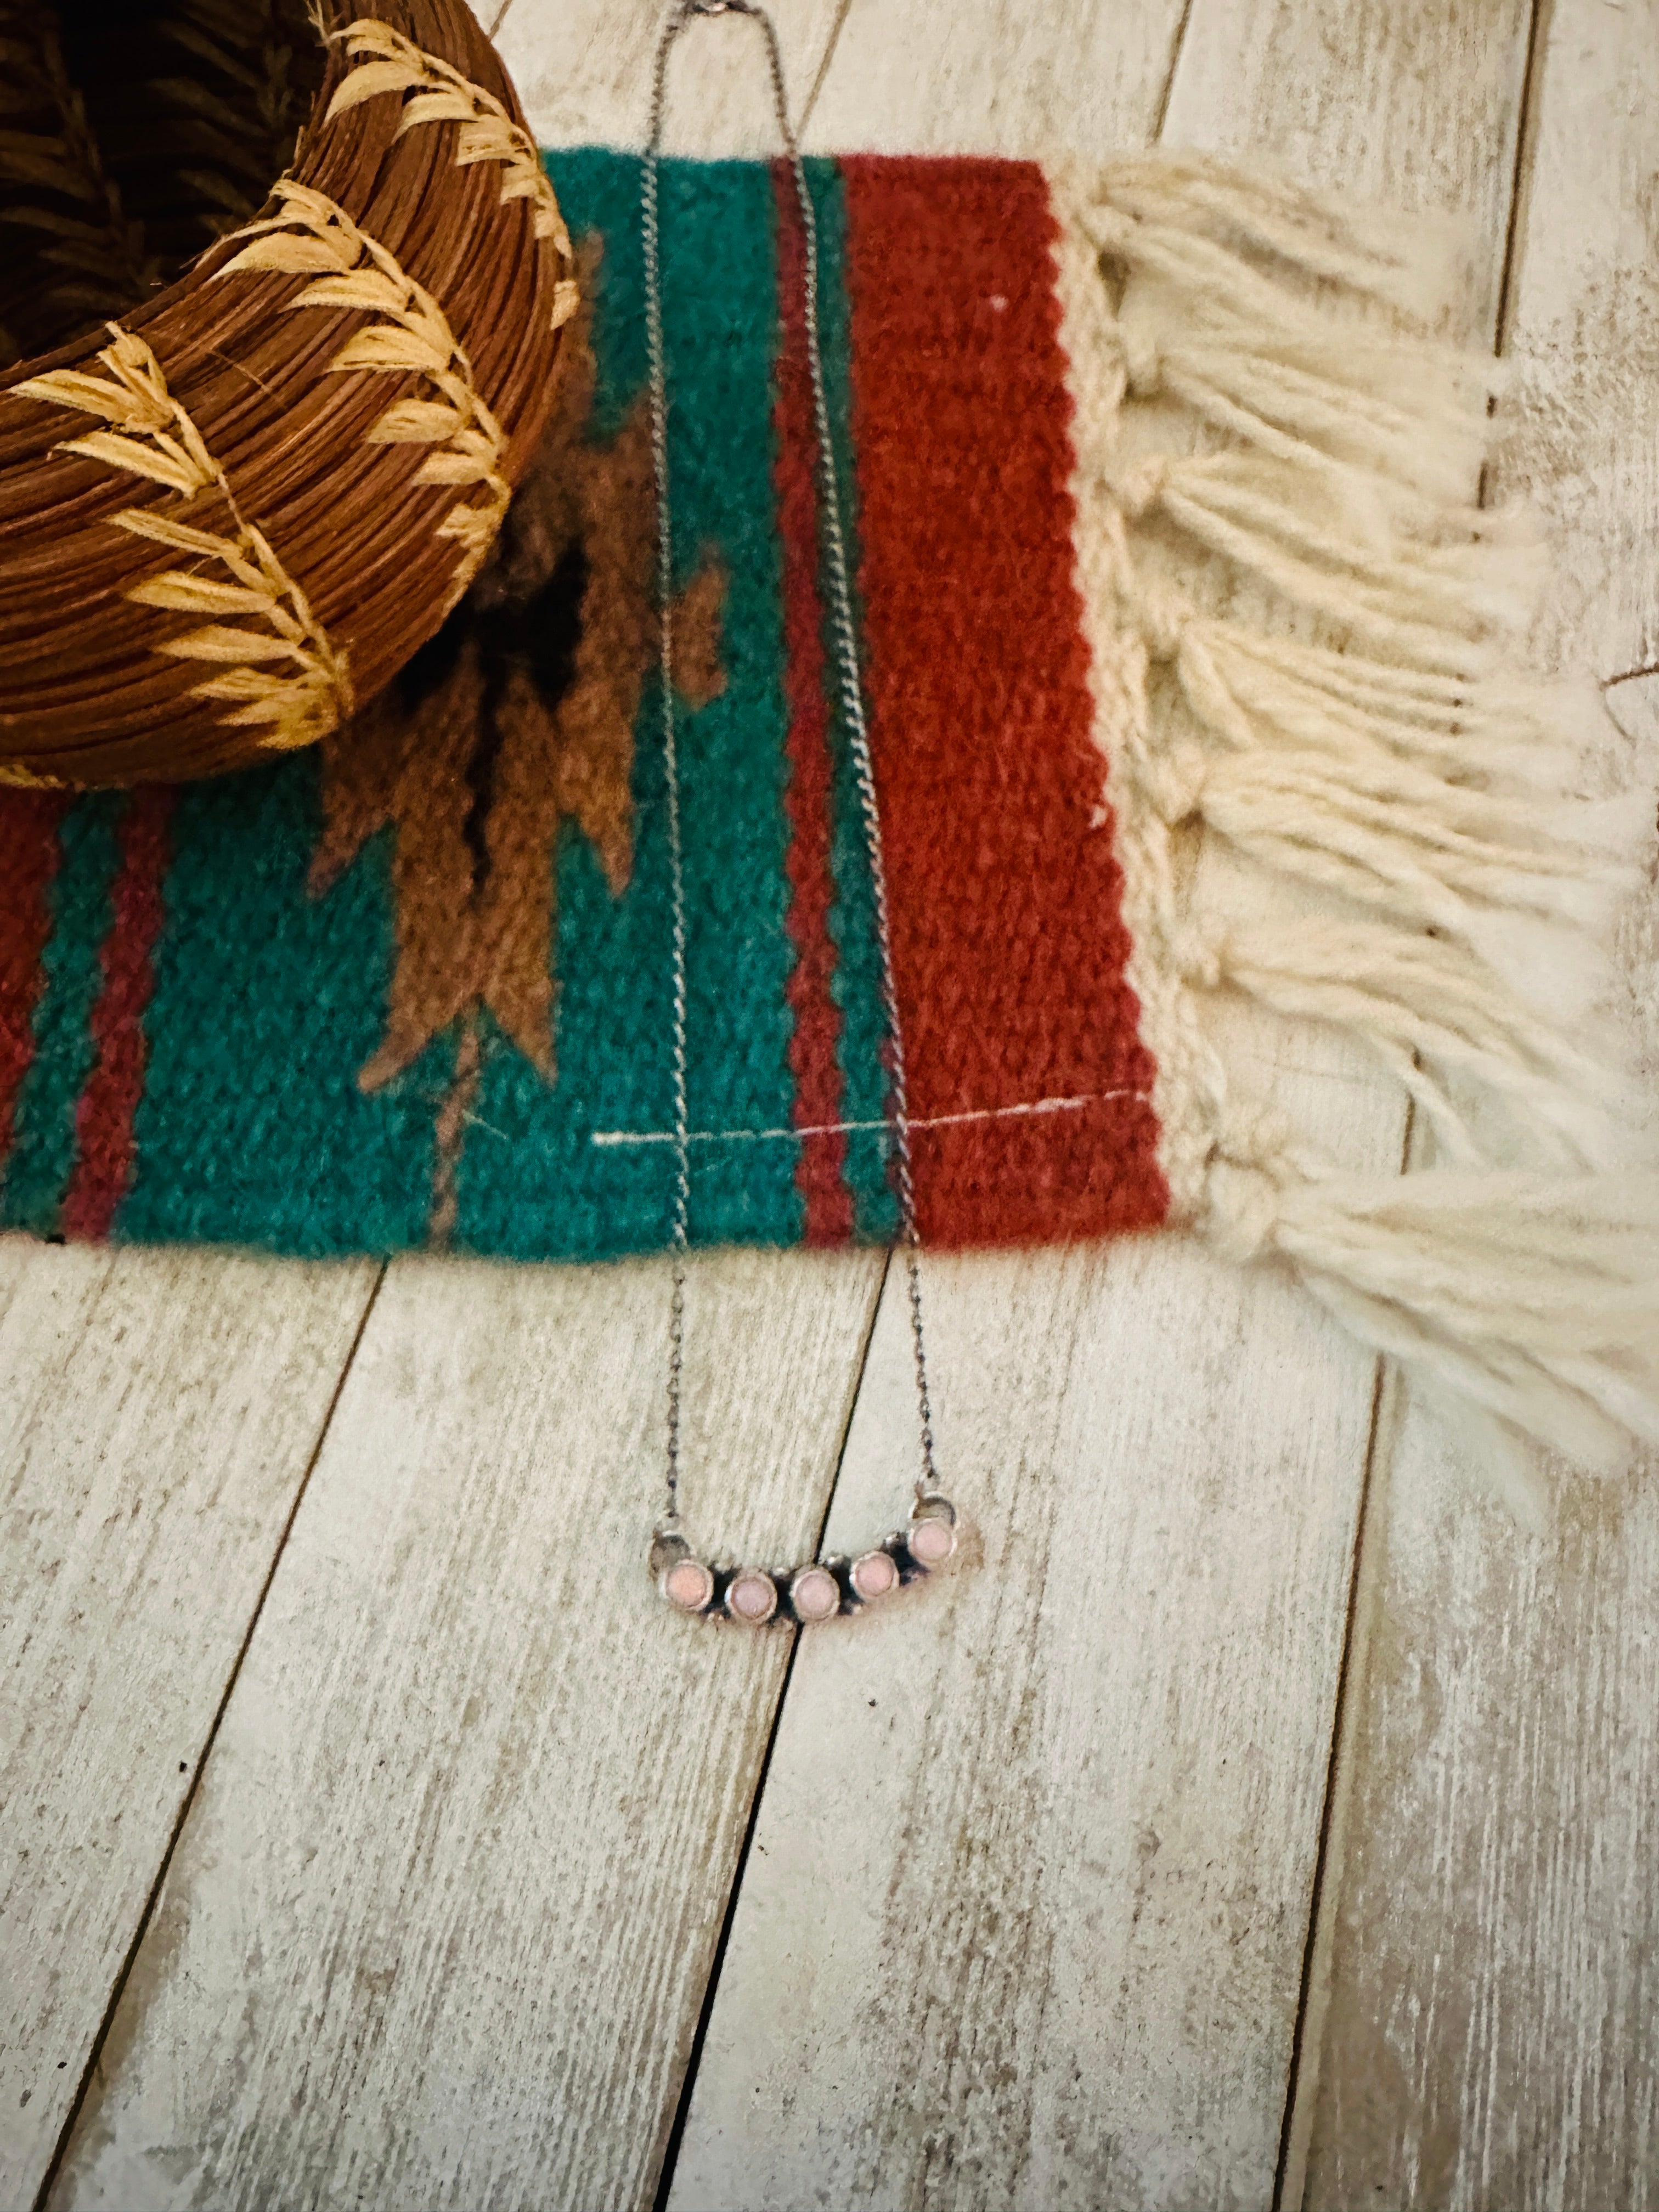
{"x": 1059, "y": 1870}
{"x": 1486, "y": 1985}
{"x": 438, "y": 1924}
{"x": 583, "y": 72}
{"x": 1413, "y": 106}
{"x": 1022, "y": 1920}
{"x": 15, "y": 1252}
{"x": 158, "y": 1412}
{"x": 996, "y": 76}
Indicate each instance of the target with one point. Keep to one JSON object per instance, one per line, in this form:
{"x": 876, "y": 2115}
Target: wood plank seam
{"x": 1526, "y": 147}
{"x": 1176, "y": 45}
{"x": 1334, "y": 1737}
{"x": 683, "y": 2103}
{"x": 1347, "y": 1649}
{"x": 1302, "y": 2084}
{"x": 1488, "y": 2036}
{"x": 96, "y": 2048}
{"x": 797, "y": 1432}
{"x": 665, "y": 2182}
{"x": 711, "y": 1985}
{"x": 829, "y": 56}
{"x": 1320, "y": 1812}
{"x": 214, "y": 1730}
{"x": 1310, "y": 2008}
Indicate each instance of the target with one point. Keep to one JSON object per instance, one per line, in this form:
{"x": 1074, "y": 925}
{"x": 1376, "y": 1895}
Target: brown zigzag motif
{"x": 517, "y": 716}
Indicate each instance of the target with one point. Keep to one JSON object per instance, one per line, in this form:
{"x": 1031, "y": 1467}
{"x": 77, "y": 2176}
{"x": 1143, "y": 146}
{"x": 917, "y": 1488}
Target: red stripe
{"x": 103, "y": 1118}
{"x": 1009, "y": 943}
{"x": 814, "y": 1059}
{"x": 29, "y": 856}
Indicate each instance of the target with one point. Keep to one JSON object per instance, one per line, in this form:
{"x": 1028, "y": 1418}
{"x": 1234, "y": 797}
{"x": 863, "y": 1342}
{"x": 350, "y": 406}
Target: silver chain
{"x": 851, "y": 688}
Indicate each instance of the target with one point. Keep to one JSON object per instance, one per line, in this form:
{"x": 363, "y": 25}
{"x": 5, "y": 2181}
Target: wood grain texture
{"x": 1416, "y": 105}
{"x": 158, "y": 1412}
{"x": 1061, "y": 1869}
{"x": 996, "y": 76}
{"x": 437, "y": 1927}
{"x": 583, "y": 72}
{"x": 1024, "y": 1917}
{"x": 1490, "y": 1992}
{"x": 1027, "y": 1928}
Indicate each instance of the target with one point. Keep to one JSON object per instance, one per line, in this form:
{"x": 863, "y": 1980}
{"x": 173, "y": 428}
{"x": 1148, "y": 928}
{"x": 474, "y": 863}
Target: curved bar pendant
{"x": 816, "y": 1591}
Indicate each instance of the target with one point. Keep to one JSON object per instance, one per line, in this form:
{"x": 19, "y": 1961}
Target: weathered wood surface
{"x": 583, "y": 72}
{"x": 1059, "y": 1830}
{"x": 997, "y": 76}
{"x": 1490, "y": 1995}
{"x": 1024, "y": 1919}
{"x": 437, "y": 1927}
{"x": 158, "y": 1413}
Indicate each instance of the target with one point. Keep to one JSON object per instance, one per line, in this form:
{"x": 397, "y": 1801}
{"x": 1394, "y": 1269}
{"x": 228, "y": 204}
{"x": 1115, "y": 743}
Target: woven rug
{"x": 418, "y": 986}
{"x": 1165, "y": 541}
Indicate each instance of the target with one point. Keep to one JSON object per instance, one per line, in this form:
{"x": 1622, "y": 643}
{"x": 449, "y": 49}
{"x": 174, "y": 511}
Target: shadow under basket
{"x": 255, "y": 437}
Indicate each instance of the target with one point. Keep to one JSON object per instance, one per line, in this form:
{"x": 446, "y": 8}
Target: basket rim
{"x": 414, "y": 164}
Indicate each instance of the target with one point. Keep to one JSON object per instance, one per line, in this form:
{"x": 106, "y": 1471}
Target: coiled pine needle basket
{"x": 233, "y": 504}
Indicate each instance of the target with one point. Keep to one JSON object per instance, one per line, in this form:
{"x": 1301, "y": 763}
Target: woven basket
{"x": 231, "y": 513}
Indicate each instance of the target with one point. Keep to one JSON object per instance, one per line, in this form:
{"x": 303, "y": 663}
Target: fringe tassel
{"x": 1188, "y": 200}
{"x": 1441, "y": 1021}
{"x": 1325, "y": 451}
{"x": 1537, "y": 1299}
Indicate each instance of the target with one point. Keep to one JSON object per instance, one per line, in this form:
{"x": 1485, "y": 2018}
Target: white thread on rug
{"x": 851, "y": 1128}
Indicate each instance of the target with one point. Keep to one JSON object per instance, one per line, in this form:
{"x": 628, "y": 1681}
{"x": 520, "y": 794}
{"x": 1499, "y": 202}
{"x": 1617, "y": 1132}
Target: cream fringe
{"x": 1258, "y": 400}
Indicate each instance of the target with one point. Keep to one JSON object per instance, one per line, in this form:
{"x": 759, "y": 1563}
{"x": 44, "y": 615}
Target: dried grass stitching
{"x": 315, "y": 237}
{"x": 154, "y": 437}
{"x": 488, "y": 133}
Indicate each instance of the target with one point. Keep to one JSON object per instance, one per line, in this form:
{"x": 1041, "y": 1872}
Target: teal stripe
{"x": 44, "y": 1152}
{"x": 857, "y": 987}
{"x": 532, "y": 1181}
{"x": 252, "y": 1128}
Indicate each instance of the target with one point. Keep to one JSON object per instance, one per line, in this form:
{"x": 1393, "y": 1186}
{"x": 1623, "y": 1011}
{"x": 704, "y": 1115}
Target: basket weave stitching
{"x": 374, "y": 492}
{"x": 315, "y": 237}
{"x": 488, "y": 133}
{"x": 155, "y": 437}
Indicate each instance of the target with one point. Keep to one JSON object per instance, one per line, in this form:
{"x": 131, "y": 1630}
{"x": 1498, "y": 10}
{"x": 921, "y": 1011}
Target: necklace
{"x": 818, "y": 1589}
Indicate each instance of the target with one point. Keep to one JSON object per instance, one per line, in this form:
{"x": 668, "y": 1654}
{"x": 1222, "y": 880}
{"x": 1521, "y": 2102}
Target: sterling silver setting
{"x": 826, "y": 1588}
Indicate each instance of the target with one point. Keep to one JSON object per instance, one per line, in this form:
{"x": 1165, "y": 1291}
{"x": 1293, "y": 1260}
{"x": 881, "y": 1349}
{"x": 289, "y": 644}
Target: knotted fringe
{"x": 1532, "y": 1296}
{"x": 1255, "y": 384}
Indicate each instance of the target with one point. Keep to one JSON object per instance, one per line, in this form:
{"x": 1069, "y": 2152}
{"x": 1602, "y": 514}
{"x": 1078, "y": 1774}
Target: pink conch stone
{"x": 932, "y": 1542}
{"x": 874, "y": 1575}
{"x": 689, "y": 1585}
{"x": 815, "y": 1594}
{"x": 753, "y": 1596}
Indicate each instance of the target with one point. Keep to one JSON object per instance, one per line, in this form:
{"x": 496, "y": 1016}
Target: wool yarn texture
{"x": 1195, "y": 682}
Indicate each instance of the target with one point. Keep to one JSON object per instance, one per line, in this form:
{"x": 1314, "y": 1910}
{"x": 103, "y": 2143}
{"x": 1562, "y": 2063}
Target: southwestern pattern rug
{"x": 418, "y": 987}
{"x": 1167, "y": 542}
